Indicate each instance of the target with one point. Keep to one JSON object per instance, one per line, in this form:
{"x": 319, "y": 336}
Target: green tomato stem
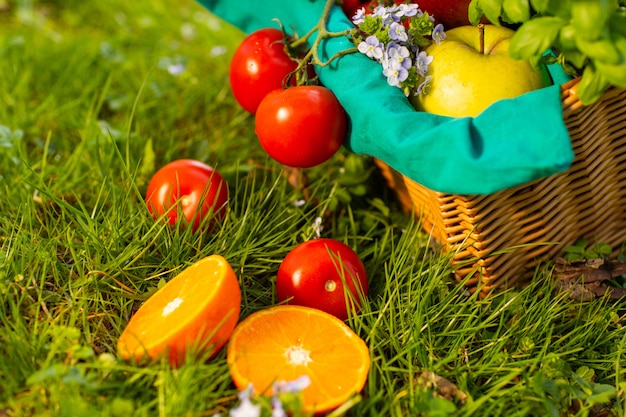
{"x": 323, "y": 33}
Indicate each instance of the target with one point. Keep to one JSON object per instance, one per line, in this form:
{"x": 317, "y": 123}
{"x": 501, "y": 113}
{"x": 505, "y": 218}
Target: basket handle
{"x": 569, "y": 97}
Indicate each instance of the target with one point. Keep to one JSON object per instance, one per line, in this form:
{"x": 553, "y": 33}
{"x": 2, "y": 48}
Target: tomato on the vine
{"x": 190, "y": 189}
{"x": 259, "y": 65}
{"x": 301, "y": 126}
{"x": 325, "y": 274}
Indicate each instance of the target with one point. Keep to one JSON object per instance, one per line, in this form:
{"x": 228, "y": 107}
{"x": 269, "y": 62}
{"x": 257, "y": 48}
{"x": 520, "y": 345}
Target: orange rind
{"x": 287, "y": 342}
{"x": 194, "y": 313}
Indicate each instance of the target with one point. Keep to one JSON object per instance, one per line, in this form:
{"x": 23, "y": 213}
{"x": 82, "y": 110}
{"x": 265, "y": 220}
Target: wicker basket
{"x": 499, "y": 239}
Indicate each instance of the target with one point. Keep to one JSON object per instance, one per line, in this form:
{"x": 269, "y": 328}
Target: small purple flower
{"x": 359, "y": 16}
{"x": 395, "y": 73}
{"x": 397, "y": 32}
{"x": 407, "y": 10}
{"x": 385, "y": 13}
{"x": 399, "y": 55}
{"x": 294, "y": 386}
{"x": 246, "y": 393}
{"x": 379, "y": 11}
{"x": 420, "y": 88}
{"x": 422, "y": 61}
{"x": 246, "y": 409}
{"x": 392, "y": 12}
{"x": 371, "y": 47}
{"x": 277, "y": 408}
{"x": 317, "y": 227}
{"x": 438, "y": 34}
{"x": 175, "y": 69}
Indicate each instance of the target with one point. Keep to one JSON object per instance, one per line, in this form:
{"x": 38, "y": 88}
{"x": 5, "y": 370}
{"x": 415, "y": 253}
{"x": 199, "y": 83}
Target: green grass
{"x": 88, "y": 111}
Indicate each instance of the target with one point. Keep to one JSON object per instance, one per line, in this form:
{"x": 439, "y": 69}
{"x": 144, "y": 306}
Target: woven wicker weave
{"x": 499, "y": 239}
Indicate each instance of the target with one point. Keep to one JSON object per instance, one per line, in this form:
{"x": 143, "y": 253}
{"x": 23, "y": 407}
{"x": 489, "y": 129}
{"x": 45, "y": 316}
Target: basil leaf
{"x": 615, "y": 74}
{"x": 592, "y": 85}
{"x": 559, "y": 8}
{"x": 590, "y": 17}
{"x": 603, "y": 49}
{"x": 535, "y": 37}
{"x": 515, "y": 11}
{"x": 492, "y": 10}
{"x": 617, "y": 23}
{"x": 474, "y": 12}
{"x": 576, "y": 58}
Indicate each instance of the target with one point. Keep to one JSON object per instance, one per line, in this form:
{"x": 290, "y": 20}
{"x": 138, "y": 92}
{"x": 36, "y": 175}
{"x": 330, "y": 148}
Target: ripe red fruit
{"x": 259, "y": 65}
{"x": 450, "y": 13}
{"x": 301, "y": 126}
{"x": 187, "y": 188}
{"x": 325, "y": 274}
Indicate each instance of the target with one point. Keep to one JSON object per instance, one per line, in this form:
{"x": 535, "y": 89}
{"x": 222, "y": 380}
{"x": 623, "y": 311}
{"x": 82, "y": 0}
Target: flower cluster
{"x": 395, "y": 36}
{"x": 286, "y": 400}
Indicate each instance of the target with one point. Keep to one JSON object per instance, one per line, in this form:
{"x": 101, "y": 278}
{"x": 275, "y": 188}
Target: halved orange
{"x": 285, "y": 342}
{"x": 195, "y": 312}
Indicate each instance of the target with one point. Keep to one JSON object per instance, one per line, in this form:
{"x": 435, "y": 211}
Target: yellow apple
{"x": 466, "y": 78}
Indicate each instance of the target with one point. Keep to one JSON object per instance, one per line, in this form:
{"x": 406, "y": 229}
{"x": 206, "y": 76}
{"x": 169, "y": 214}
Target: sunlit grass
{"x": 94, "y": 97}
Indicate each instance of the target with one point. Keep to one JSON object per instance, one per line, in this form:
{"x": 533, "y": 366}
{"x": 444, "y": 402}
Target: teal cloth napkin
{"x": 511, "y": 143}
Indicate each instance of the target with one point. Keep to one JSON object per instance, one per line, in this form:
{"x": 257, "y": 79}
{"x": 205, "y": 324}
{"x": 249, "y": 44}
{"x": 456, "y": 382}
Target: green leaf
{"x": 620, "y": 43}
{"x": 535, "y": 37}
{"x": 52, "y": 372}
{"x": 474, "y": 12}
{"x": 585, "y": 373}
{"x": 380, "y": 206}
{"x": 358, "y": 190}
{"x": 567, "y": 38}
{"x": 590, "y": 17}
{"x": 83, "y": 353}
{"x": 370, "y": 24}
{"x": 617, "y": 23}
{"x": 122, "y": 407}
{"x": 602, "y": 394}
{"x": 147, "y": 166}
{"x": 543, "y": 385}
{"x": 342, "y": 195}
{"x": 515, "y": 11}
{"x": 603, "y": 49}
{"x": 603, "y": 248}
{"x": 575, "y": 58}
{"x": 492, "y": 10}
{"x": 592, "y": 85}
{"x": 613, "y": 74}
{"x": 574, "y": 250}
{"x": 558, "y": 8}
{"x": 541, "y": 6}
{"x": 591, "y": 254}
{"x": 582, "y": 242}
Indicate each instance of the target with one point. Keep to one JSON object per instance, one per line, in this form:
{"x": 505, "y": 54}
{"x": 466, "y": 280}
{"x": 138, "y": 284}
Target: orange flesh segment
{"x": 197, "y": 303}
{"x": 335, "y": 358}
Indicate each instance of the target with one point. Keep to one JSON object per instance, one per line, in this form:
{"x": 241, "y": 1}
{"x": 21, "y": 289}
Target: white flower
{"x": 246, "y": 409}
{"x": 317, "y": 227}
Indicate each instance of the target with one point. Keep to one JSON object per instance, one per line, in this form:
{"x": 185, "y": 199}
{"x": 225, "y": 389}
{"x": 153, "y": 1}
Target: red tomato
{"x": 301, "y": 126}
{"x": 259, "y": 65}
{"x": 313, "y": 275}
{"x": 189, "y": 188}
